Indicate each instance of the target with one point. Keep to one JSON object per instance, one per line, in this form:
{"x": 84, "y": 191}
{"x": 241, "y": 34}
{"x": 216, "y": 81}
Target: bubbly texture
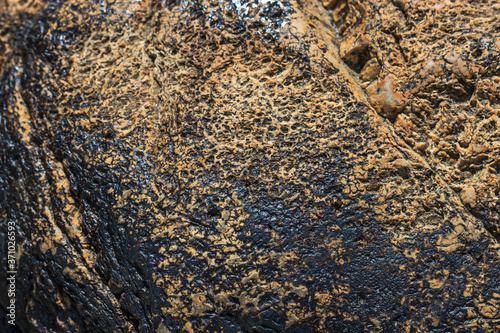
{"x": 251, "y": 166}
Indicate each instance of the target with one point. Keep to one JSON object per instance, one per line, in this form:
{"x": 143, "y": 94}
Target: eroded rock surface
{"x": 260, "y": 166}
{"x": 433, "y": 69}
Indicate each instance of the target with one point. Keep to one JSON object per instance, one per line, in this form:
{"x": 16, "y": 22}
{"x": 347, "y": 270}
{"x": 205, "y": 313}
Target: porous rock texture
{"x": 251, "y": 166}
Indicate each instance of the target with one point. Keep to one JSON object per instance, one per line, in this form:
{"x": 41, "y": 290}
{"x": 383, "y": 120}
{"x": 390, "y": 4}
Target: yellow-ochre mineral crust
{"x": 251, "y": 166}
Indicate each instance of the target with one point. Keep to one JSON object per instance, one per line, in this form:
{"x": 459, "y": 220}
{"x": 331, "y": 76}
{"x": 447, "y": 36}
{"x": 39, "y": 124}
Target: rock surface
{"x": 251, "y": 166}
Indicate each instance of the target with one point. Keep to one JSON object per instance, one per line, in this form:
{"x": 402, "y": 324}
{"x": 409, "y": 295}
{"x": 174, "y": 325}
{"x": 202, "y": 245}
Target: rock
{"x": 207, "y": 166}
{"x": 443, "y": 58}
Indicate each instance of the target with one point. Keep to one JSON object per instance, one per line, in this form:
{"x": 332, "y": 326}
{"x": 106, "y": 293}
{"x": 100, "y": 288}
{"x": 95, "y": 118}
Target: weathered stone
{"x": 208, "y": 166}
